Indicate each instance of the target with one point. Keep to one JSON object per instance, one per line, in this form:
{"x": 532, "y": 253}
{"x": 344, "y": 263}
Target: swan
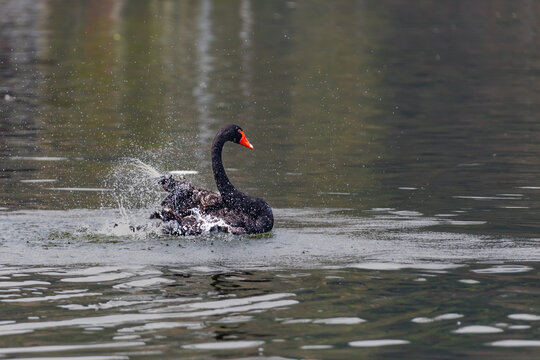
{"x": 188, "y": 210}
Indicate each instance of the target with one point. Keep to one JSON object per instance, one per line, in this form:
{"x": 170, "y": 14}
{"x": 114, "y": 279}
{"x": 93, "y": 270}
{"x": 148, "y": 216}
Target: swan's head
{"x": 235, "y": 134}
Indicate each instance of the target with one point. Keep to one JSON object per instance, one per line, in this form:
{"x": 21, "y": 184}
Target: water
{"x": 396, "y": 142}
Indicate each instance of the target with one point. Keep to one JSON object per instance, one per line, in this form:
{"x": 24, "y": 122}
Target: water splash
{"x": 135, "y": 193}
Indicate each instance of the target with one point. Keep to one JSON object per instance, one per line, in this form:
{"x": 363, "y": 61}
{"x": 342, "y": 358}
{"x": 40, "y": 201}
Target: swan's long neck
{"x": 227, "y": 190}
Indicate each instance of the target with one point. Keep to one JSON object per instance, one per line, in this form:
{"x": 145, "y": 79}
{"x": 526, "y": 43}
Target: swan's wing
{"x": 206, "y": 200}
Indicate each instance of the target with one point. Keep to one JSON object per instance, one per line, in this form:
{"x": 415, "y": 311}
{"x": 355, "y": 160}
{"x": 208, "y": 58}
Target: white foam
{"x": 208, "y": 222}
{"x": 224, "y": 345}
{"x": 378, "y": 342}
{"x": 526, "y": 317}
{"x": 516, "y": 343}
{"x": 477, "y": 329}
{"x": 143, "y": 283}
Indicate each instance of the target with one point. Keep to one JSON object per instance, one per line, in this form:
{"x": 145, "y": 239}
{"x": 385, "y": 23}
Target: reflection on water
{"x": 396, "y": 141}
{"x": 147, "y": 311}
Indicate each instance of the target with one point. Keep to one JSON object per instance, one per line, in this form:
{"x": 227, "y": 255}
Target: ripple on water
{"x": 163, "y": 325}
{"x": 426, "y": 320}
{"x": 224, "y": 345}
{"x": 340, "y": 321}
{"x": 79, "y": 189}
{"x": 39, "y": 158}
{"x": 255, "y": 303}
{"x": 469, "y": 281}
{"x": 519, "y": 327}
{"x": 378, "y": 342}
{"x": 503, "y": 269}
{"x": 57, "y": 348}
{"x": 327, "y": 321}
{"x": 183, "y": 172}
{"x": 400, "y": 266}
{"x": 316, "y": 347}
{"x": 4, "y": 284}
{"x": 516, "y": 343}
{"x": 98, "y": 278}
{"x": 477, "y": 329}
{"x": 51, "y": 297}
{"x": 94, "y": 270}
{"x": 31, "y": 181}
{"x": 234, "y": 319}
{"x": 526, "y": 317}
{"x": 228, "y": 303}
{"x": 143, "y": 283}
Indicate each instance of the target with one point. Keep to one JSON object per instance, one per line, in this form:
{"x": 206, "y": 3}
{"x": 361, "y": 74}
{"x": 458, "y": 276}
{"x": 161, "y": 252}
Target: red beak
{"x": 245, "y": 141}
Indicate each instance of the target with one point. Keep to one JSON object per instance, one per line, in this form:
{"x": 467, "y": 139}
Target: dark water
{"x": 396, "y": 141}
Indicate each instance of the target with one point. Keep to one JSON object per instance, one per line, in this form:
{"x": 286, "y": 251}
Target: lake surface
{"x": 397, "y": 143}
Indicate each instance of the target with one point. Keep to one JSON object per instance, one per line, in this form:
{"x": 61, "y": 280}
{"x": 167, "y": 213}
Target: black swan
{"x": 191, "y": 211}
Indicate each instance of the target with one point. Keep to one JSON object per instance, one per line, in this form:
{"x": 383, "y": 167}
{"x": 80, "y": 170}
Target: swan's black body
{"x": 185, "y": 206}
